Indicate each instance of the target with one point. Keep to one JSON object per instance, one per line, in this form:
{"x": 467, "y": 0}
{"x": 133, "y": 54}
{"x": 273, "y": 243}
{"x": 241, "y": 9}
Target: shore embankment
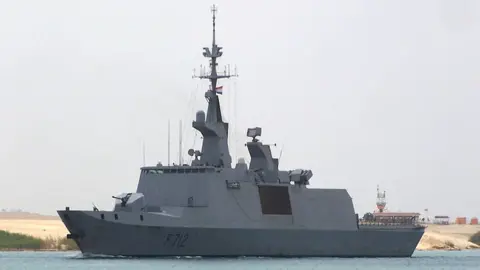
{"x": 448, "y": 237}
{"x": 32, "y": 224}
{"x": 33, "y": 232}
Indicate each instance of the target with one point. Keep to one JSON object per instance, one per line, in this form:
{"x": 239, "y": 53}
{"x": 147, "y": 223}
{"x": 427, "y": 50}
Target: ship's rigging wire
{"x": 190, "y": 111}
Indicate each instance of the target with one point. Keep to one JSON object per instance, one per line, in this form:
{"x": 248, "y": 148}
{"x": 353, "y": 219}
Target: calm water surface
{"x": 74, "y": 260}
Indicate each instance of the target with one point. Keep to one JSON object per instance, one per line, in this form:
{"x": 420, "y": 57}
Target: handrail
{"x": 397, "y": 224}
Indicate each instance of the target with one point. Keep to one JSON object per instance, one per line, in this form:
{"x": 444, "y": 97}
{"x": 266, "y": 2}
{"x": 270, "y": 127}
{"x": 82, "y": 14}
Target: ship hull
{"x": 100, "y": 237}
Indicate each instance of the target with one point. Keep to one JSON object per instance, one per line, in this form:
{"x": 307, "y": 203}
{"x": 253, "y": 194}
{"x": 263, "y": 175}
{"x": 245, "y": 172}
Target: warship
{"x": 211, "y": 208}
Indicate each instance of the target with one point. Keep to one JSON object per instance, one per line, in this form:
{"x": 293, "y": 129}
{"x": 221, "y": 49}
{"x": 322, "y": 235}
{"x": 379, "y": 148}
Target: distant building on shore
{"x": 461, "y": 220}
{"x": 474, "y": 221}
{"x": 381, "y": 213}
{"x": 442, "y": 220}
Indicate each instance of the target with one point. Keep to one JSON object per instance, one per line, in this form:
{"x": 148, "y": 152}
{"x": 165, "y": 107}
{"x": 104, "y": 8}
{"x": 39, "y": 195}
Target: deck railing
{"x": 393, "y": 224}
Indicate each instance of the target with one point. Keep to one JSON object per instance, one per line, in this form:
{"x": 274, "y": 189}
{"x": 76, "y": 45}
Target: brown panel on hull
{"x": 275, "y": 200}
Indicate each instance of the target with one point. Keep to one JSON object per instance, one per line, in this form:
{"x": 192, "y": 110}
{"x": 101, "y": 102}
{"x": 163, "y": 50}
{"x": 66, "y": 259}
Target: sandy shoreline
{"x": 36, "y": 228}
{"x": 436, "y": 237}
{"x": 448, "y": 237}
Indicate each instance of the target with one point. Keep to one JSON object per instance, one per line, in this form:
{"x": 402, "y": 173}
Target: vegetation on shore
{"x": 17, "y": 241}
{"x": 475, "y": 238}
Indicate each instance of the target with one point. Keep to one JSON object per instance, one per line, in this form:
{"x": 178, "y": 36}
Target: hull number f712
{"x": 176, "y": 240}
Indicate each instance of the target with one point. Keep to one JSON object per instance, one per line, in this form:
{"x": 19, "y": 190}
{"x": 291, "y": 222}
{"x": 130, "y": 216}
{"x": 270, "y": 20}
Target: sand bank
{"x": 448, "y": 237}
{"x": 36, "y": 225}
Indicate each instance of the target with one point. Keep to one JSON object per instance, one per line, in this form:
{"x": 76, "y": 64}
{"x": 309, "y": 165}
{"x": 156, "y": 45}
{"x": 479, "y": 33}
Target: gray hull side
{"x": 108, "y": 238}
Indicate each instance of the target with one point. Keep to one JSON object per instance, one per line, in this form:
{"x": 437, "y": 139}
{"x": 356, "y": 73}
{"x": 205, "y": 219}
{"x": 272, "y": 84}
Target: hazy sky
{"x": 361, "y": 92}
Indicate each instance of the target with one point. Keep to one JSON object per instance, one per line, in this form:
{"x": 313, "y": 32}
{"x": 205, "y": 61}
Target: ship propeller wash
{"x": 211, "y": 208}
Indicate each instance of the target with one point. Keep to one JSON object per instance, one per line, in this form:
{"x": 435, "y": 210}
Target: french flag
{"x": 219, "y": 90}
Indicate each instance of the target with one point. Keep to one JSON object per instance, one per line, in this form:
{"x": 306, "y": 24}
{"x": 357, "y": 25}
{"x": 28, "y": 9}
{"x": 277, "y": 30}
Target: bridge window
{"x": 178, "y": 170}
{"x": 153, "y": 171}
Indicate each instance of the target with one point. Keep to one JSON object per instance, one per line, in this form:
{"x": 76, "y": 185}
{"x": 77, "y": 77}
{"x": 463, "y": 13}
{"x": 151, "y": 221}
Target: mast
{"x": 168, "y": 158}
{"x": 381, "y": 200}
{"x": 215, "y": 132}
{"x": 143, "y": 153}
{"x": 180, "y": 160}
{"x": 214, "y": 53}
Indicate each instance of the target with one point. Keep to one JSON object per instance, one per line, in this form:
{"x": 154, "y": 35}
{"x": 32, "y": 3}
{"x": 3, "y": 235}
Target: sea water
{"x": 74, "y": 260}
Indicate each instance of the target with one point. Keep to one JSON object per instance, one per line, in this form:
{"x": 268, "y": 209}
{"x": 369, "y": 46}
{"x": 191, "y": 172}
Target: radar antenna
{"x": 215, "y": 150}
{"x": 214, "y": 53}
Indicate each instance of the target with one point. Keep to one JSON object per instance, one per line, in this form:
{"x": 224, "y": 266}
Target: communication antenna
{"x": 180, "y": 161}
{"x": 168, "y": 153}
{"x": 215, "y": 154}
{"x": 235, "y": 138}
{"x": 143, "y": 150}
{"x": 281, "y": 152}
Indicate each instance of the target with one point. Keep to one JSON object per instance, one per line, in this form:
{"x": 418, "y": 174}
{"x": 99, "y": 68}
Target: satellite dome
{"x": 200, "y": 117}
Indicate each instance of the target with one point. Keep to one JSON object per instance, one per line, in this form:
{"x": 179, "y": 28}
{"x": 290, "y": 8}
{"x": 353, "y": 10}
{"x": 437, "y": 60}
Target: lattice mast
{"x": 381, "y": 200}
{"x": 215, "y": 52}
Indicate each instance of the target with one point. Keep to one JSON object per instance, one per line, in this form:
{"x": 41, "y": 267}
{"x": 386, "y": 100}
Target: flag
{"x": 219, "y": 90}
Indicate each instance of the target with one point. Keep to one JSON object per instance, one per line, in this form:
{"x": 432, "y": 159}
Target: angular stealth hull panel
{"x": 96, "y": 236}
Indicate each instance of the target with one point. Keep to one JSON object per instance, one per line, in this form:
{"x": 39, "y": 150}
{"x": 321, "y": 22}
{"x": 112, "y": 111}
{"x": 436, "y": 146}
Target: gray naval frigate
{"x": 211, "y": 208}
